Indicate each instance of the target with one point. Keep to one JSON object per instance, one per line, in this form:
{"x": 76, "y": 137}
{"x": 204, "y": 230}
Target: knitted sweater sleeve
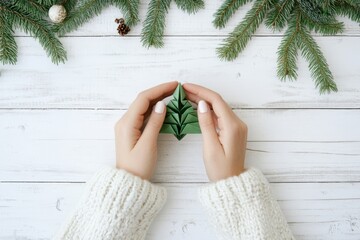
{"x": 116, "y": 205}
{"x": 241, "y": 207}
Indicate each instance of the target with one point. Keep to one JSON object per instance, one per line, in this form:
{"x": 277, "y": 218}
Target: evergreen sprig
{"x": 238, "y": 39}
{"x": 154, "y": 24}
{"x": 81, "y": 11}
{"x": 29, "y": 17}
{"x": 226, "y": 10}
{"x": 300, "y": 17}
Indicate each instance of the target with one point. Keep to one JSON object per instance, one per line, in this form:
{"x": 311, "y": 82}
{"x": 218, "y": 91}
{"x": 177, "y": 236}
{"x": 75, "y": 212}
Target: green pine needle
{"x": 69, "y": 5}
{"x": 354, "y": 3}
{"x": 8, "y": 47}
{"x": 300, "y": 17}
{"x": 227, "y": 9}
{"x": 318, "y": 66}
{"x": 18, "y": 16}
{"x": 154, "y": 24}
{"x": 238, "y": 39}
{"x": 190, "y": 6}
{"x": 348, "y": 9}
{"x": 330, "y": 27}
{"x": 279, "y": 14}
{"x": 314, "y": 11}
{"x": 40, "y": 29}
{"x": 84, "y": 11}
{"x": 130, "y": 10}
{"x": 287, "y": 51}
{"x": 325, "y": 4}
{"x": 48, "y": 3}
{"x": 31, "y": 7}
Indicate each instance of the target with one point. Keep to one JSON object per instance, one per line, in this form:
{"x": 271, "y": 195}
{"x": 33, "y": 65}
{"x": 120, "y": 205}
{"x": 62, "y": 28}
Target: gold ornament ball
{"x": 57, "y": 13}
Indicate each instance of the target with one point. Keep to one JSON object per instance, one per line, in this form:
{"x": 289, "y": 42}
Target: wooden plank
{"x": 180, "y": 23}
{"x": 288, "y": 145}
{"x": 108, "y": 73}
{"x": 314, "y": 211}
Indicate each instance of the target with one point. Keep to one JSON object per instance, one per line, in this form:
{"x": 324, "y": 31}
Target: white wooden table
{"x": 56, "y": 125}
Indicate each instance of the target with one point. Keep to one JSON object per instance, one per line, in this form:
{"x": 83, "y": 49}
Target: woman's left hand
{"x": 136, "y": 145}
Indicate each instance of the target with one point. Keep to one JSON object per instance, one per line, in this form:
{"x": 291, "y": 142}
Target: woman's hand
{"x": 136, "y": 146}
{"x": 224, "y": 134}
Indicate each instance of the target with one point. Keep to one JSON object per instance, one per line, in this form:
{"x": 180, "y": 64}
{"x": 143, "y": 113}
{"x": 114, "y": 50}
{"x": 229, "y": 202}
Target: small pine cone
{"x": 122, "y": 28}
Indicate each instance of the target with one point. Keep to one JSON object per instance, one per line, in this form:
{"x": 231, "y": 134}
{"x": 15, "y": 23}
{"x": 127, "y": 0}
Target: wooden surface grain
{"x": 56, "y": 125}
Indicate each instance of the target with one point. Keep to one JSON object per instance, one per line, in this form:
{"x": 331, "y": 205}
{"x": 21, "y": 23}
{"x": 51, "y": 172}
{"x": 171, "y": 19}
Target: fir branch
{"x": 279, "y": 14}
{"x": 83, "y": 12}
{"x": 39, "y": 29}
{"x": 354, "y": 3}
{"x": 238, "y": 39}
{"x": 318, "y": 66}
{"x": 326, "y": 5}
{"x": 31, "y": 7}
{"x": 348, "y": 9}
{"x": 329, "y": 27}
{"x": 314, "y": 11}
{"x": 49, "y": 3}
{"x": 130, "y": 10}
{"x": 154, "y": 24}
{"x": 69, "y": 5}
{"x": 8, "y": 47}
{"x": 190, "y": 6}
{"x": 287, "y": 51}
{"x": 227, "y": 9}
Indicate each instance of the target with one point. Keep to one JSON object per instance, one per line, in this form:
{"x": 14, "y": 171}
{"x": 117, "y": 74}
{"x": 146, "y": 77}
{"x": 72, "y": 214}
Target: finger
{"x": 208, "y": 128}
{"x": 195, "y": 93}
{"x": 145, "y": 100}
{"x": 151, "y": 132}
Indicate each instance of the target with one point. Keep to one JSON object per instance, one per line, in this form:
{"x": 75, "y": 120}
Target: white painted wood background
{"x": 56, "y": 125}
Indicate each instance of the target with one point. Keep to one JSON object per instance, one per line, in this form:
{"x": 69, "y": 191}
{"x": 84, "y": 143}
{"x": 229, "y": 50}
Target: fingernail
{"x": 203, "y": 107}
{"x": 160, "y": 107}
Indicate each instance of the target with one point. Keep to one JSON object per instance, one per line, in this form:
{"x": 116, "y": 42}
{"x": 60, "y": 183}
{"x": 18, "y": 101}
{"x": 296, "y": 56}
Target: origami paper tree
{"x": 181, "y": 118}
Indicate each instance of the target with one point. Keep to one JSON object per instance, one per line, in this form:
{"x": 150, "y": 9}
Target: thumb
{"x": 153, "y": 126}
{"x": 208, "y": 130}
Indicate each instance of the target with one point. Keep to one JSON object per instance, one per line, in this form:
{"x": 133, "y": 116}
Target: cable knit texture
{"x": 116, "y": 205}
{"x": 242, "y": 207}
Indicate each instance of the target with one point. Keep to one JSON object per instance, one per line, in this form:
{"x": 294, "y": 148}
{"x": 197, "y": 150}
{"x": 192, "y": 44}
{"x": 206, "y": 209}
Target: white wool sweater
{"x": 119, "y": 206}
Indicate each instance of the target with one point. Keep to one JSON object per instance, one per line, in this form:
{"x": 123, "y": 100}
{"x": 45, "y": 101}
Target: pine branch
{"x": 39, "y": 29}
{"x": 238, "y": 39}
{"x": 314, "y": 11}
{"x": 227, "y": 9}
{"x": 279, "y": 14}
{"x": 8, "y": 47}
{"x": 130, "y": 10}
{"x": 354, "y": 3}
{"x": 31, "y": 7}
{"x": 83, "y": 12}
{"x": 190, "y": 6}
{"x": 329, "y": 27}
{"x": 326, "y": 5}
{"x": 348, "y": 9}
{"x": 48, "y": 3}
{"x": 154, "y": 24}
{"x": 69, "y": 5}
{"x": 287, "y": 51}
{"x": 318, "y": 66}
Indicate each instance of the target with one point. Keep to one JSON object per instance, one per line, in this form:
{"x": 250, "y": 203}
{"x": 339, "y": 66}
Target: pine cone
{"x": 123, "y": 29}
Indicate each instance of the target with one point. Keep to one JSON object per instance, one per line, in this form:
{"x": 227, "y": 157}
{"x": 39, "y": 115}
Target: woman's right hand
{"x": 224, "y": 134}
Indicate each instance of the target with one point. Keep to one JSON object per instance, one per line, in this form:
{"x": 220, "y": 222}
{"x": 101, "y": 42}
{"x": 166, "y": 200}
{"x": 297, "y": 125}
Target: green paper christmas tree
{"x": 181, "y": 118}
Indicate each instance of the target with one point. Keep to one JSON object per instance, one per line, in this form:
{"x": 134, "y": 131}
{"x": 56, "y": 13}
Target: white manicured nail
{"x": 160, "y": 107}
{"x": 203, "y": 107}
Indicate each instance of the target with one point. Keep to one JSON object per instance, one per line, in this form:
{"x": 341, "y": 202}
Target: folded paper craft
{"x": 181, "y": 118}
